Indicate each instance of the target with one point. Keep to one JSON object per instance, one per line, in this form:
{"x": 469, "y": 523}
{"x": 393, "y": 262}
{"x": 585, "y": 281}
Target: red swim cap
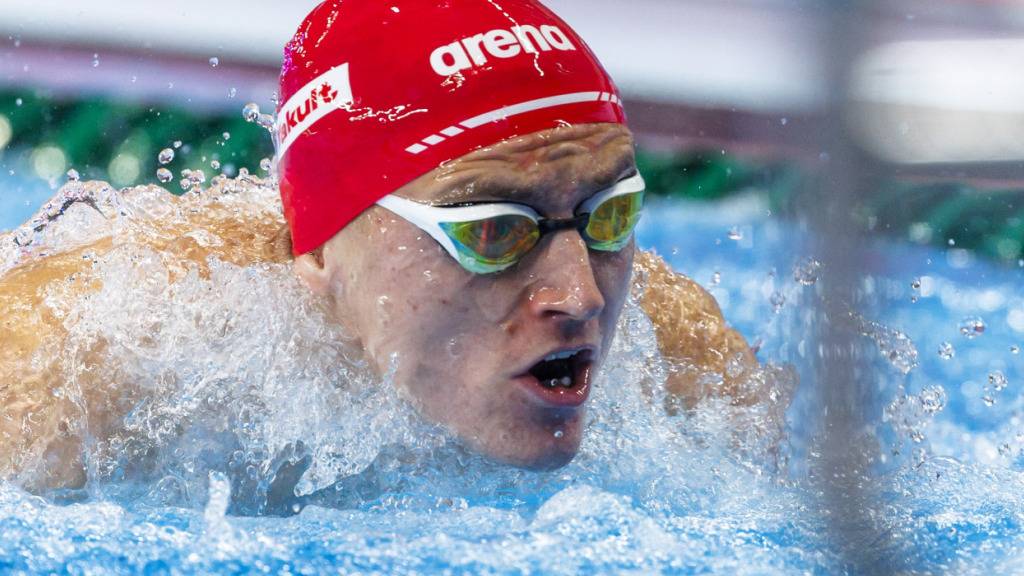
{"x": 377, "y": 93}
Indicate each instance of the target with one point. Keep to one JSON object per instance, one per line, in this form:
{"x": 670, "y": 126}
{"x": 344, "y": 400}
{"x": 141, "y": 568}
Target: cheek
{"x": 414, "y": 303}
{"x": 613, "y": 272}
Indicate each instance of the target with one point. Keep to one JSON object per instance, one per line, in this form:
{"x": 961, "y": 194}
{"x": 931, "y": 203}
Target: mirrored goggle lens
{"x": 612, "y": 222}
{"x": 492, "y": 244}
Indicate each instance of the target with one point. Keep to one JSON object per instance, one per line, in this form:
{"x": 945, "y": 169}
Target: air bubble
{"x": 915, "y": 284}
{"x": 735, "y": 233}
{"x": 95, "y": 60}
{"x": 215, "y": 165}
{"x": 164, "y": 175}
{"x": 177, "y": 144}
{"x": 226, "y": 136}
{"x": 266, "y": 164}
{"x": 716, "y": 278}
{"x": 778, "y": 300}
{"x": 214, "y": 62}
{"x": 73, "y": 175}
{"x": 1014, "y": 349}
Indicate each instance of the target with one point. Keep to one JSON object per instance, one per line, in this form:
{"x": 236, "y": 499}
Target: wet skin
{"x": 463, "y": 343}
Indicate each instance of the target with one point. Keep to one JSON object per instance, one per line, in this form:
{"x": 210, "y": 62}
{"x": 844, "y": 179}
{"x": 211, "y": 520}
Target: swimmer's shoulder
{"x": 692, "y": 333}
{"x": 37, "y": 439}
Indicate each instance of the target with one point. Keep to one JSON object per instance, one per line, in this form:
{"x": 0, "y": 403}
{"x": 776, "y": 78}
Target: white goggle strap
{"x": 429, "y": 218}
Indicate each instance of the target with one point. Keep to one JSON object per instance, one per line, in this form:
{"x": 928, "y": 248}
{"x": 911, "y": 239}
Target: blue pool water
{"x": 650, "y": 493}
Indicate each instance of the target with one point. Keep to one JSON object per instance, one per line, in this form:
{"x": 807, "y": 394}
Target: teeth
{"x": 564, "y": 382}
{"x": 560, "y": 356}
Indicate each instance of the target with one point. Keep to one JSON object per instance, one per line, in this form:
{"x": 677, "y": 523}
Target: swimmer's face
{"x": 471, "y": 348}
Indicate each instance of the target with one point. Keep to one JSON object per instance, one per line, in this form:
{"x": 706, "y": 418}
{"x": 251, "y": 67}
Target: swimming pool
{"x": 649, "y": 493}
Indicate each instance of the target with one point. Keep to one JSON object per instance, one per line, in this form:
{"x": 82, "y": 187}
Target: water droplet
{"x": 164, "y": 175}
{"x": 266, "y": 164}
{"x": 166, "y": 156}
{"x": 214, "y": 61}
{"x": 972, "y": 326}
{"x": 946, "y": 351}
{"x": 73, "y": 175}
{"x": 997, "y": 380}
{"x": 806, "y": 271}
{"x": 933, "y": 399}
{"x": 735, "y": 234}
{"x": 251, "y": 112}
{"x": 265, "y": 121}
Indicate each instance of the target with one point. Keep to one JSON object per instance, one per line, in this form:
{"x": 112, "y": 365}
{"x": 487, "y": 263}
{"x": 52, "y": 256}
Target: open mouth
{"x": 561, "y": 369}
{"x": 561, "y": 378}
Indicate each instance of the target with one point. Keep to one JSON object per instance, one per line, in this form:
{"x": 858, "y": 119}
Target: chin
{"x": 540, "y": 450}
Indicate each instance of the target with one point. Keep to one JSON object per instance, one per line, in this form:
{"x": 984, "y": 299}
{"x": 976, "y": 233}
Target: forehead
{"x": 561, "y": 164}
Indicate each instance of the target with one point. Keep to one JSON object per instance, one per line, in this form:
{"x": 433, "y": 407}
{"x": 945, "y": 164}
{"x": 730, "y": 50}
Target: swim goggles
{"x": 490, "y": 237}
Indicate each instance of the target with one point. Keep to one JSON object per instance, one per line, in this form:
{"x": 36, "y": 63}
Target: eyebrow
{"x": 499, "y": 190}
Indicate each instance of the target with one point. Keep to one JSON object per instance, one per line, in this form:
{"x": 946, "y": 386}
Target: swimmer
{"x": 470, "y": 160}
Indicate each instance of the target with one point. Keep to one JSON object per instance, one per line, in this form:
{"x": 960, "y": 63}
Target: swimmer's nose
{"x": 565, "y": 286}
